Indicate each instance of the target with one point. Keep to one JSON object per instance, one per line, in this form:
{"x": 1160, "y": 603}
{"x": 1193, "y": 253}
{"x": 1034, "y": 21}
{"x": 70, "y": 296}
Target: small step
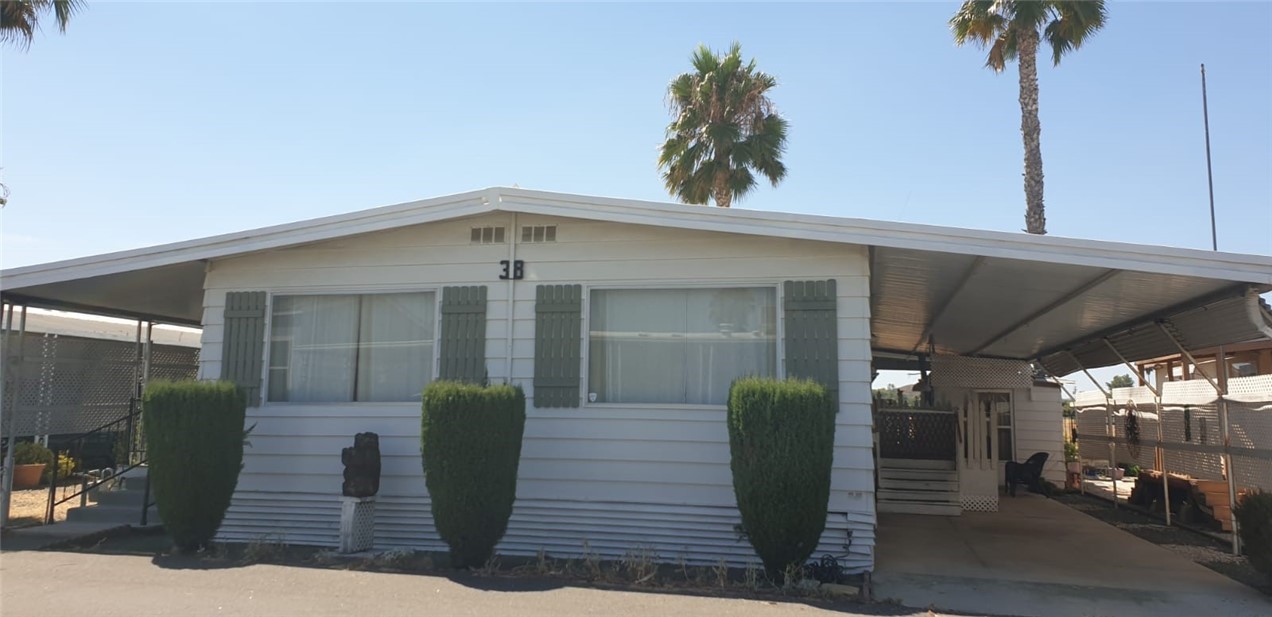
{"x": 118, "y": 498}
{"x": 890, "y": 495}
{"x": 921, "y": 508}
{"x": 908, "y": 463}
{"x": 125, "y": 515}
{"x": 134, "y": 482}
{"x": 918, "y": 485}
{"x": 918, "y": 474}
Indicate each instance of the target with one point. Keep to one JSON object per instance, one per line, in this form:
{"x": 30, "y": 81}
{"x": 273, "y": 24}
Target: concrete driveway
{"x": 1039, "y": 557}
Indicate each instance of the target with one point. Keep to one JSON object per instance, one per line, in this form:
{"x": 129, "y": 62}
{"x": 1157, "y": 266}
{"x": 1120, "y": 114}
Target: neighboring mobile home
{"x": 625, "y": 322}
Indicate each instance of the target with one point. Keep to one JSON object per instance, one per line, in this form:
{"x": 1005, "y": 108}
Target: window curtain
{"x": 395, "y": 350}
{"x": 318, "y": 339}
{"x": 679, "y": 345}
{"x": 375, "y": 347}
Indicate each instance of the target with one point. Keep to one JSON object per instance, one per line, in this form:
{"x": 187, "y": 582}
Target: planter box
{"x": 27, "y": 476}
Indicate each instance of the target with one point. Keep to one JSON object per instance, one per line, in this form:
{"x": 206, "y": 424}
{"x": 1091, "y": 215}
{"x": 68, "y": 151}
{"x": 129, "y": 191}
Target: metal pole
{"x": 1227, "y": 453}
{"x": 14, "y": 368}
{"x": 130, "y": 425}
{"x": 6, "y": 327}
{"x": 1210, "y": 178}
{"x": 1161, "y": 453}
{"x": 1221, "y": 389}
{"x": 1221, "y": 359}
{"x": 1108, "y": 428}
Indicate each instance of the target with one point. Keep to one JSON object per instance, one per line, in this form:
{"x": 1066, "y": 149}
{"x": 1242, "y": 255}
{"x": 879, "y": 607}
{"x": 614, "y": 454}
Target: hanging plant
{"x": 1131, "y": 425}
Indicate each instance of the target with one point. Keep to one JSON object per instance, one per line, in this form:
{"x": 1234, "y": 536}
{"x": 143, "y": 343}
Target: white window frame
{"x": 343, "y": 291}
{"x": 585, "y": 356}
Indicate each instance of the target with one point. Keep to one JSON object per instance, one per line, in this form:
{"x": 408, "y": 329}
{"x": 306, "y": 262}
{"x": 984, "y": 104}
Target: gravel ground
{"x": 1201, "y": 549}
{"x": 28, "y": 507}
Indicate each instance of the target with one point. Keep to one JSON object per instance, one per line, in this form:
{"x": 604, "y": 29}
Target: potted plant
{"x": 29, "y": 461}
{"x": 1071, "y": 462}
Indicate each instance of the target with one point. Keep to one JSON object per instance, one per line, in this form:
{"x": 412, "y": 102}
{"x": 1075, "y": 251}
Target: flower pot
{"x": 1073, "y": 466}
{"x": 27, "y": 476}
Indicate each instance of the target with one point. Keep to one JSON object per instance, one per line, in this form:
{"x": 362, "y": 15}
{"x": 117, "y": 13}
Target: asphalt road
{"x": 69, "y": 584}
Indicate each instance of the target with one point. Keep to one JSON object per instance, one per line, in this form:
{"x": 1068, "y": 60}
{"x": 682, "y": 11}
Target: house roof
{"x": 950, "y": 290}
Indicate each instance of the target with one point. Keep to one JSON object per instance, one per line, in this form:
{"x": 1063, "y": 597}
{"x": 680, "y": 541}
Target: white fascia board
{"x": 1117, "y": 255}
{"x": 237, "y": 243}
{"x": 1144, "y": 258}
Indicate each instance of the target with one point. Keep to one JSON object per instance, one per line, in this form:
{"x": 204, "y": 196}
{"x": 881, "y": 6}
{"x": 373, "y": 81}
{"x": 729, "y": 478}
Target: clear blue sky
{"x": 154, "y": 122}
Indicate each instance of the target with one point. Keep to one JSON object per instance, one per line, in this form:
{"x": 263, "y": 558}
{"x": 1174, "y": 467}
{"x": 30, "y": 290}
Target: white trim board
{"x": 1255, "y": 269}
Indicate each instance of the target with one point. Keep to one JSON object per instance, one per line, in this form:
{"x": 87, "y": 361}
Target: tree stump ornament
{"x": 362, "y": 466}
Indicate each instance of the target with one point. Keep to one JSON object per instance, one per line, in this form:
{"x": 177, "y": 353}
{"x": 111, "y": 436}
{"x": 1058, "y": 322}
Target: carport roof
{"x": 941, "y": 289}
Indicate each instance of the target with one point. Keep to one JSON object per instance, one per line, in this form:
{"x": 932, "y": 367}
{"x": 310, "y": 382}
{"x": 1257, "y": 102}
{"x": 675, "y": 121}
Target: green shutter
{"x": 558, "y": 339}
{"x": 462, "y": 356}
{"x": 812, "y": 333}
{"x": 243, "y": 344}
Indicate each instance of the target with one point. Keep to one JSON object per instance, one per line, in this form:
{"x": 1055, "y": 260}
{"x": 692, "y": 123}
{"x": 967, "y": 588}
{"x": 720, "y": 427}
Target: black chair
{"x": 1028, "y": 473}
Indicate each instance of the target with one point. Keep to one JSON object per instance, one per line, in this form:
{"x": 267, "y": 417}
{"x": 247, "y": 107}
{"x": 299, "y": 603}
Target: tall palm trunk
{"x": 723, "y": 196}
{"x": 1031, "y": 130}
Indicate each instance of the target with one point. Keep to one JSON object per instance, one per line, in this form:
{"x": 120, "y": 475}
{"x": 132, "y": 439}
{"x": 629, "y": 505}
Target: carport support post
{"x": 1108, "y": 425}
{"x": 15, "y": 369}
{"x": 1157, "y": 404}
{"x": 1221, "y": 388}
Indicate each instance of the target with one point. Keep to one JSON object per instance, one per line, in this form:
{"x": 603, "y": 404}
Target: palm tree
{"x": 725, "y": 127}
{"x": 1011, "y": 29}
{"x": 19, "y": 19}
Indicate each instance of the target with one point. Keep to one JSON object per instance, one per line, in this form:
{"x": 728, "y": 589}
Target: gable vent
{"x": 538, "y": 233}
{"x": 488, "y": 235}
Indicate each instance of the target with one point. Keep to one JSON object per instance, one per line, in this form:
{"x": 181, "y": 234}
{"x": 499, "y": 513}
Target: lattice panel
{"x": 1255, "y": 389}
{"x": 916, "y": 434}
{"x": 979, "y": 503}
{"x": 69, "y": 385}
{"x": 357, "y": 524}
{"x": 962, "y": 372}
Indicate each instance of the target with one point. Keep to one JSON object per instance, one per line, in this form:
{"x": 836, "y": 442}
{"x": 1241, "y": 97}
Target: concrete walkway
{"x": 1039, "y": 557}
{"x": 41, "y": 536}
{"x": 65, "y": 583}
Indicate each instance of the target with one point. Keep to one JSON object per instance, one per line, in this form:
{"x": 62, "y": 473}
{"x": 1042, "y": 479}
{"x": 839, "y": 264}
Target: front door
{"x": 994, "y": 410}
{"x": 985, "y": 445}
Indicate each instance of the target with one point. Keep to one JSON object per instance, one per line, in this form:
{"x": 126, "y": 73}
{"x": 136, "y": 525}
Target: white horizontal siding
{"x": 1040, "y": 428}
{"x": 618, "y": 477}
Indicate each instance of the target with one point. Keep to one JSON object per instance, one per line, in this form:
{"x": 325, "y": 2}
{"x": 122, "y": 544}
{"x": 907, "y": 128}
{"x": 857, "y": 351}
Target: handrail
{"x": 914, "y": 410}
{"x": 134, "y": 457}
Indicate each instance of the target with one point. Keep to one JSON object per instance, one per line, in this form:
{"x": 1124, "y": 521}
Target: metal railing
{"x": 126, "y": 428}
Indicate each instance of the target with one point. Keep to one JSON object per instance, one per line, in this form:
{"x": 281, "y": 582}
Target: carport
{"x": 1039, "y": 557}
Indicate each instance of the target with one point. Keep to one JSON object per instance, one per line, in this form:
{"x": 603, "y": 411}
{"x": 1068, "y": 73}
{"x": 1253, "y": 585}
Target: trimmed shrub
{"x": 194, "y": 440}
{"x": 32, "y": 453}
{"x": 1254, "y": 519}
{"x": 470, "y": 436}
{"x": 781, "y": 441}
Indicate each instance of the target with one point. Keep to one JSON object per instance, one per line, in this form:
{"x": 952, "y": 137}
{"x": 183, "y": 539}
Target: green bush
{"x": 781, "y": 441}
{"x": 470, "y": 436}
{"x": 67, "y": 466}
{"x": 1254, "y": 519}
{"x": 32, "y": 453}
{"x": 194, "y": 436}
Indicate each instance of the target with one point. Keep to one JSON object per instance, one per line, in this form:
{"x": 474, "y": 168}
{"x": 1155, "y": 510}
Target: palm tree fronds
{"x": 1076, "y": 20}
{"x": 19, "y": 19}
{"x": 724, "y": 128}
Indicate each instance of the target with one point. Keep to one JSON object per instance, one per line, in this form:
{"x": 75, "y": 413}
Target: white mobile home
{"x": 625, "y": 322}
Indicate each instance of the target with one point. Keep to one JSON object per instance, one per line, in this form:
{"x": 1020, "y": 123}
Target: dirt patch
{"x": 1197, "y": 547}
{"x": 29, "y": 507}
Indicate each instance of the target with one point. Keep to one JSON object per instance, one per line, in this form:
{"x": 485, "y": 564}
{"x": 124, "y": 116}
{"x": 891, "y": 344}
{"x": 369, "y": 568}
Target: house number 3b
{"x": 515, "y": 270}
